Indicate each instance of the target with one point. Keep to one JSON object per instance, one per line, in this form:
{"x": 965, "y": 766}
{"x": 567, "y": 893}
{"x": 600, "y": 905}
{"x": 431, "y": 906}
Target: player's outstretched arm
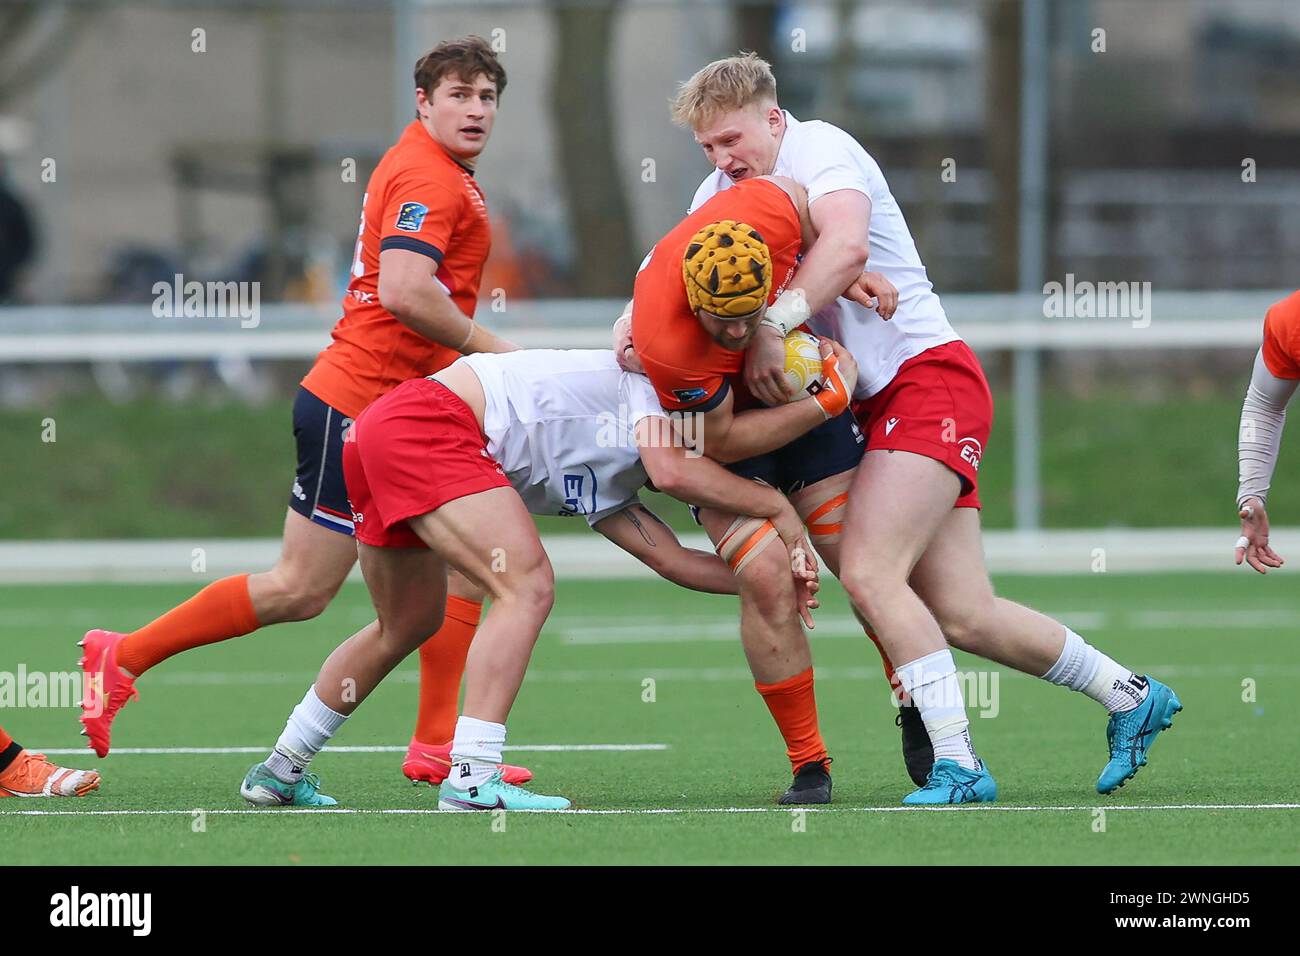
{"x": 690, "y": 477}
{"x": 639, "y": 531}
{"x": 407, "y": 290}
{"x": 1263, "y": 414}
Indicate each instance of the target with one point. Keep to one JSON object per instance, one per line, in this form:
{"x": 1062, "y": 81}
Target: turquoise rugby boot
{"x": 495, "y": 794}
{"x": 1130, "y": 735}
{"x": 262, "y": 788}
{"x": 950, "y": 782}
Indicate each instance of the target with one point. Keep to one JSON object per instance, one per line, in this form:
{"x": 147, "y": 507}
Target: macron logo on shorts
{"x": 889, "y": 425}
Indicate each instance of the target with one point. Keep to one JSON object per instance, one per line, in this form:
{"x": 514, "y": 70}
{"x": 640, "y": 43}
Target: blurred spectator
{"x": 17, "y": 238}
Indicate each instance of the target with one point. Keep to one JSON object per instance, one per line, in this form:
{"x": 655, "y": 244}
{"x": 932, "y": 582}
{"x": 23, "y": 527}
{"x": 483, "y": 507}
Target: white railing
{"x": 989, "y": 322}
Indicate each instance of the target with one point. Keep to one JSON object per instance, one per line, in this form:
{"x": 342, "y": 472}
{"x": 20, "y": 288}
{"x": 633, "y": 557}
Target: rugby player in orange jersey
{"x": 1263, "y": 413}
{"x": 27, "y": 774}
{"x": 408, "y": 312}
{"x": 698, "y": 300}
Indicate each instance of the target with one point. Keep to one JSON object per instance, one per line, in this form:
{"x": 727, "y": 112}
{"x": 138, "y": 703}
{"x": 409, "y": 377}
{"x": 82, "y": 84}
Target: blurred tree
{"x": 589, "y": 162}
{"x": 1002, "y": 136}
{"x": 35, "y": 40}
{"x": 755, "y": 27}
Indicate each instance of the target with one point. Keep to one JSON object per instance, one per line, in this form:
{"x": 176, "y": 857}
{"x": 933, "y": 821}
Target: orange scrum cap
{"x": 727, "y": 270}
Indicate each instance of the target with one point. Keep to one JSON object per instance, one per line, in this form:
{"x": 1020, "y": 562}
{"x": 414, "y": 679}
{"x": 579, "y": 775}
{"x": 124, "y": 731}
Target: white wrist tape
{"x": 789, "y": 311}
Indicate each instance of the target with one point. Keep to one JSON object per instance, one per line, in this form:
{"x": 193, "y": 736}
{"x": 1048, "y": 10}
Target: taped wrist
{"x": 789, "y": 311}
{"x": 833, "y": 396}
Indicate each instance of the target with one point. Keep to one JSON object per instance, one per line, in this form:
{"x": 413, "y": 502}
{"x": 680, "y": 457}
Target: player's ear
{"x": 775, "y": 119}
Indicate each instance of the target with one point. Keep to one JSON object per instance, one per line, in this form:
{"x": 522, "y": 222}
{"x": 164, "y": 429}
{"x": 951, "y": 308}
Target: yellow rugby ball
{"x": 803, "y": 364}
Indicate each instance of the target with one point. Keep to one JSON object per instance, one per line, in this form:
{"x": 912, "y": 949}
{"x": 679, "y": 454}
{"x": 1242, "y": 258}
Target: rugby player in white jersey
{"x": 910, "y": 555}
{"x": 444, "y": 472}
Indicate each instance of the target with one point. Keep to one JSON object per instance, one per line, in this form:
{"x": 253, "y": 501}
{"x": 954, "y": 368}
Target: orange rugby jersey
{"x": 687, "y": 368}
{"x": 419, "y": 199}
{"x": 1282, "y": 337}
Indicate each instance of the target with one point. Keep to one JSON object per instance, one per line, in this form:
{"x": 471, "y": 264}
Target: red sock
{"x": 220, "y": 611}
{"x": 442, "y": 664}
{"x": 794, "y": 708}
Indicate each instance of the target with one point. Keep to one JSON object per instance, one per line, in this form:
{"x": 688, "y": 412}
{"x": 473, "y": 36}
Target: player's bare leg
{"x": 442, "y": 664}
{"x": 952, "y": 580}
{"x": 314, "y": 562}
{"x": 492, "y": 539}
{"x": 408, "y": 587}
{"x": 897, "y": 503}
{"x": 823, "y": 506}
{"x": 778, "y": 654}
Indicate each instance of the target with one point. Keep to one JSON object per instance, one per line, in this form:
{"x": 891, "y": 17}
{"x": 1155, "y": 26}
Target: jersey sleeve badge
{"x": 410, "y": 217}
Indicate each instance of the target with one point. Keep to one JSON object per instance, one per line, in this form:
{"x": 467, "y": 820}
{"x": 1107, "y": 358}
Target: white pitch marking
{"x": 659, "y": 811}
{"x": 170, "y": 751}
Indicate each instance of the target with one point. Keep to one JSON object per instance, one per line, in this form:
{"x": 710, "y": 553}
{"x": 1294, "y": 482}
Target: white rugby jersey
{"x": 824, "y": 159}
{"x": 560, "y": 423}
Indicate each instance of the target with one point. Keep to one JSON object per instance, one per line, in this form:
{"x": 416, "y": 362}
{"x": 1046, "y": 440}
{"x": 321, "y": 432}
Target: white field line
{"x": 396, "y": 749}
{"x": 661, "y": 811}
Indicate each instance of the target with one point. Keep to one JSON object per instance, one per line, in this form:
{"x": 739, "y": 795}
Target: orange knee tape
{"x": 821, "y": 511}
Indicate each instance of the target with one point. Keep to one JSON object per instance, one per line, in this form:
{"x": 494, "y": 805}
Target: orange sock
{"x": 794, "y": 708}
{"x": 894, "y": 683}
{"x": 220, "y": 611}
{"x": 442, "y": 664}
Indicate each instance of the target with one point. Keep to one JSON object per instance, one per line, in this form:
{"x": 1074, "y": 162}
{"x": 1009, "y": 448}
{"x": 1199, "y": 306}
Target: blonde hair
{"x": 723, "y": 85}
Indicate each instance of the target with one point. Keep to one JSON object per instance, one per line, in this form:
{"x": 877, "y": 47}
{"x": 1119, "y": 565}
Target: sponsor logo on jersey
{"x": 690, "y": 394}
{"x": 575, "y": 500}
{"x": 410, "y": 217}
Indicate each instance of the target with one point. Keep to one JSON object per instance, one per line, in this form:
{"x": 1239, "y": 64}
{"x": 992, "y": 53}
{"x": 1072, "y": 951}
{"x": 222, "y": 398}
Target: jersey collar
{"x": 783, "y": 151}
{"x": 418, "y": 133}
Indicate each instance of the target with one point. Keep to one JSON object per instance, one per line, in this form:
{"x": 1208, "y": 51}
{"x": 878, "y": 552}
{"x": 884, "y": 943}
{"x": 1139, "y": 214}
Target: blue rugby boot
{"x": 950, "y": 782}
{"x": 1130, "y": 735}
{"x": 262, "y": 788}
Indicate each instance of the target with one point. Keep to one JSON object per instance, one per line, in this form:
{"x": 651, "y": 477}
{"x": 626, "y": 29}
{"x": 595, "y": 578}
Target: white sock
{"x": 1083, "y": 668}
{"x": 475, "y": 751}
{"x": 931, "y": 682}
{"x": 308, "y": 729}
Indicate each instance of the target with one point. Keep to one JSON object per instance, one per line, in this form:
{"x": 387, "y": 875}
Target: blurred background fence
{"x": 1028, "y": 142}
